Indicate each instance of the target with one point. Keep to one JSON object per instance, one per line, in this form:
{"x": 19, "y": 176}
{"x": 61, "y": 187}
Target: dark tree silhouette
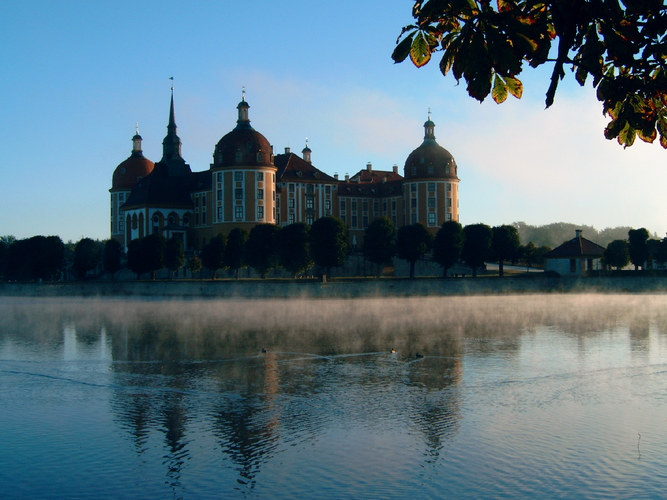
{"x": 329, "y": 244}
{"x": 476, "y": 246}
{"x": 379, "y": 242}
{"x": 87, "y": 256}
{"x": 638, "y": 248}
{"x": 212, "y": 256}
{"x": 235, "y": 250}
{"x": 448, "y": 245}
{"x": 174, "y": 257}
{"x": 412, "y": 243}
{"x": 261, "y": 248}
{"x": 113, "y": 251}
{"x": 504, "y": 245}
{"x": 620, "y": 45}
{"x": 617, "y": 254}
{"x": 294, "y": 248}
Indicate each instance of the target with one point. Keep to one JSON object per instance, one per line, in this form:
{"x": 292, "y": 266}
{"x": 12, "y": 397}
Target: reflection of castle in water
{"x": 256, "y": 400}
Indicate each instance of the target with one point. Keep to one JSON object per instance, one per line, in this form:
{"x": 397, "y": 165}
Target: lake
{"x": 472, "y": 396}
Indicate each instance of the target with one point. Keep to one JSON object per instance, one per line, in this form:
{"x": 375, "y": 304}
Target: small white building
{"x": 575, "y": 257}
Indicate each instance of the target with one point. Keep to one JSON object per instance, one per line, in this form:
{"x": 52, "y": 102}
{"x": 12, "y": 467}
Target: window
{"x": 431, "y": 203}
{"x": 431, "y": 186}
{"x": 260, "y": 212}
{"x": 449, "y": 187}
{"x": 238, "y": 213}
{"x": 239, "y": 156}
{"x": 121, "y": 197}
{"x": 196, "y": 218}
{"x": 354, "y": 206}
{"x": 219, "y": 176}
{"x": 260, "y": 176}
{"x": 260, "y": 158}
{"x": 260, "y": 194}
{"x": 327, "y": 189}
{"x": 431, "y": 219}
{"x": 449, "y": 202}
{"x": 203, "y": 199}
{"x": 274, "y": 195}
{"x": 291, "y": 187}
{"x": 219, "y": 213}
{"x": 219, "y": 194}
{"x": 376, "y": 206}
{"x": 203, "y": 218}
{"x": 238, "y": 176}
{"x": 238, "y": 194}
{"x": 327, "y": 204}
{"x": 364, "y": 205}
{"x": 413, "y": 171}
{"x": 309, "y": 203}
{"x": 354, "y": 221}
{"x": 414, "y": 218}
{"x": 413, "y": 188}
{"x": 430, "y": 169}
{"x": 121, "y": 225}
{"x": 290, "y": 203}
{"x": 449, "y": 217}
{"x": 310, "y": 189}
{"x": 309, "y": 219}
{"x": 364, "y": 221}
{"x": 393, "y": 205}
{"x": 291, "y": 219}
{"x": 447, "y": 170}
{"x": 413, "y": 203}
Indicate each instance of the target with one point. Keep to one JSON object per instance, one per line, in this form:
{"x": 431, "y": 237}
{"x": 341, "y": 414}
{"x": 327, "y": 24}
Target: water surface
{"x": 512, "y": 396}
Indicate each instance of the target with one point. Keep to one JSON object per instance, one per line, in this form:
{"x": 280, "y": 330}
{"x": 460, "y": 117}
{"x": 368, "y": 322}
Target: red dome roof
{"x": 129, "y": 172}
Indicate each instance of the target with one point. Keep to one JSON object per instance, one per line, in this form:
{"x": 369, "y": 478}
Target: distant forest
{"x": 552, "y": 235}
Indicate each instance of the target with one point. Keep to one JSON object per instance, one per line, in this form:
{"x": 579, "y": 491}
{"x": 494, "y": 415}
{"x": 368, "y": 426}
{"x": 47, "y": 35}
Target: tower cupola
{"x": 171, "y": 145}
{"x": 306, "y": 152}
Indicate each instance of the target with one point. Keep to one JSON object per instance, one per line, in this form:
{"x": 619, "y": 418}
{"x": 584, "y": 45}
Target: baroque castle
{"x": 247, "y": 184}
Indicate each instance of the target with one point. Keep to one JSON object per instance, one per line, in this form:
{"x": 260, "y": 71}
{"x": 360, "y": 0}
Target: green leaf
{"x": 627, "y": 136}
{"x": 499, "y": 93}
{"x": 581, "y": 75}
{"x": 402, "y": 50}
{"x": 420, "y": 52}
{"x": 514, "y": 86}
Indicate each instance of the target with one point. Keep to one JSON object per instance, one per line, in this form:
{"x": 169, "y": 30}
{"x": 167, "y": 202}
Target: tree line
{"x": 298, "y": 248}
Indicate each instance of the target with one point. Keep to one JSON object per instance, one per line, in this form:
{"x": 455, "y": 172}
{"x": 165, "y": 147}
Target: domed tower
{"x": 125, "y": 178}
{"x": 430, "y": 190}
{"x": 243, "y": 177}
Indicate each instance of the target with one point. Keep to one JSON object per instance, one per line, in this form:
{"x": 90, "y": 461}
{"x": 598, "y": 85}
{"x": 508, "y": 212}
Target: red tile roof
{"x": 576, "y": 247}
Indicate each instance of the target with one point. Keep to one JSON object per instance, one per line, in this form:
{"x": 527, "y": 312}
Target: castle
{"x": 247, "y": 184}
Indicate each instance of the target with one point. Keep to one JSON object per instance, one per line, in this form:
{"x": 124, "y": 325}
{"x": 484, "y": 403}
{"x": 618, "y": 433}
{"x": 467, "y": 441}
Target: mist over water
{"x": 503, "y": 396}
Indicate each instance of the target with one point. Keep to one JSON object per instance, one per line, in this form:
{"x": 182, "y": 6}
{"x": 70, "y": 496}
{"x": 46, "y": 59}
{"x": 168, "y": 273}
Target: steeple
{"x": 243, "y": 120}
{"x": 429, "y": 128}
{"x": 171, "y": 145}
{"x": 306, "y": 152}
{"x": 136, "y": 144}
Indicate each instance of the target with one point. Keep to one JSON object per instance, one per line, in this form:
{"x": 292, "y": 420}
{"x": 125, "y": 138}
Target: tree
{"x": 412, "y": 242}
{"x": 212, "y": 256}
{"x": 112, "y": 253}
{"x": 174, "y": 257}
{"x": 87, "y": 256}
{"x": 261, "y": 248}
{"x": 153, "y": 253}
{"x": 379, "y": 242}
{"x": 617, "y": 254}
{"x": 329, "y": 246}
{"x": 620, "y": 45}
{"x": 4, "y": 257}
{"x": 234, "y": 257}
{"x": 135, "y": 258}
{"x": 661, "y": 254}
{"x": 638, "y": 248}
{"x": 476, "y": 246}
{"x": 504, "y": 245}
{"x": 194, "y": 265}
{"x": 294, "y": 248}
{"x": 447, "y": 245}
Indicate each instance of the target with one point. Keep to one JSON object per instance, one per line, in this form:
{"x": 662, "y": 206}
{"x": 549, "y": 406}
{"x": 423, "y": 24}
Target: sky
{"x": 77, "y": 76}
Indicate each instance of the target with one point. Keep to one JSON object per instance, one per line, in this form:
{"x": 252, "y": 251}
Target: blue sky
{"x": 78, "y": 75}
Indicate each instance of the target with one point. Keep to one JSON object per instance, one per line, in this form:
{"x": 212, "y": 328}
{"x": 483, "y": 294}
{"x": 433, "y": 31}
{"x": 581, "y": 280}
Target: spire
{"x": 171, "y": 145}
{"x": 136, "y": 142}
{"x": 429, "y": 128}
{"x": 306, "y": 152}
{"x": 243, "y": 120}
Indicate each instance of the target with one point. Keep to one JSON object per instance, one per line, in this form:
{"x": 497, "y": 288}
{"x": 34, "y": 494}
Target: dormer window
{"x": 239, "y": 156}
{"x": 219, "y": 157}
{"x": 259, "y": 157}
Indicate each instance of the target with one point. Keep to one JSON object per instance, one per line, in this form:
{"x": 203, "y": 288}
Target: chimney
{"x": 287, "y": 150}
{"x": 395, "y": 169}
{"x": 336, "y": 176}
{"x": 369, "y": 166}
{"x": 347, "y": 177}
{"x": 384, "y": 179}
{"x": 578, "y": 231}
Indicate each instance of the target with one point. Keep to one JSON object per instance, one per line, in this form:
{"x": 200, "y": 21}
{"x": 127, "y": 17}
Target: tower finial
{"x": 136, "y": 128}
{"x": 243, "y": 93}
{"x": 429, "y": 113}
{"x": 306, "y": 141}
{"x": 172, "y": 84}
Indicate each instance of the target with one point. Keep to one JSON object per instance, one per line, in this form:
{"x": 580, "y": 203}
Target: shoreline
{"x": 336, "y": 288}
